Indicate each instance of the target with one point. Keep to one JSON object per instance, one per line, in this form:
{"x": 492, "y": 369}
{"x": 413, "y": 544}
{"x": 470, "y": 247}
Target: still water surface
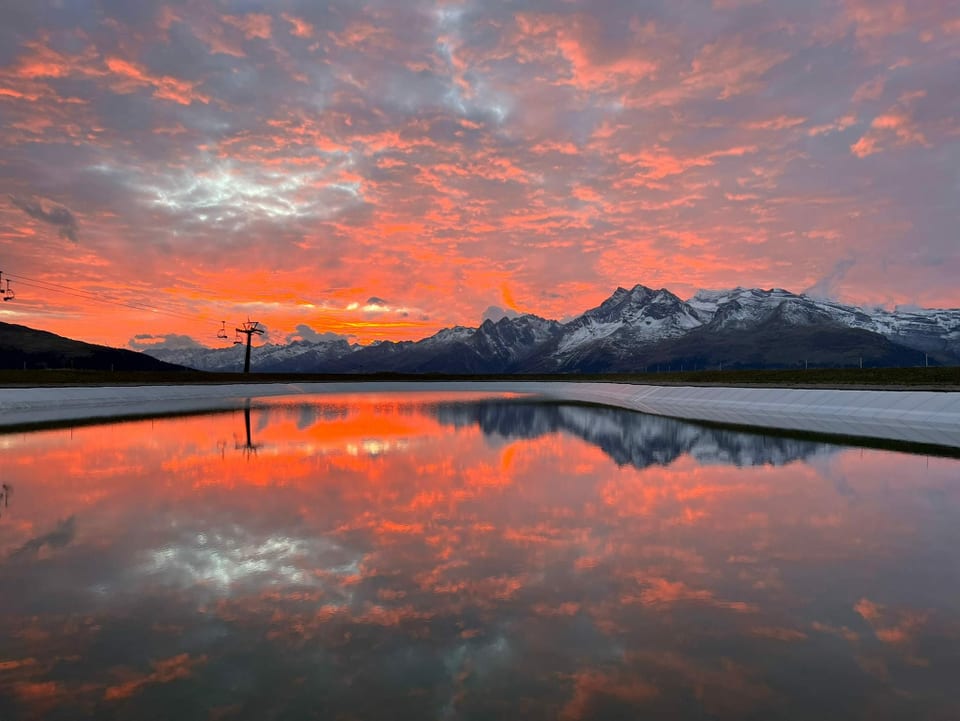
{"x": 429, "y": 556}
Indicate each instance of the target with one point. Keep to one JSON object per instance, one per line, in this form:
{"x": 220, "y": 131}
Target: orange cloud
{"x": 874, "y": 19}
{"x": 897, "y": 125}
{"x": 660, "y": 162}
{"x": 730, "y": 66}
{"x": 252, "y": 25}
{"x": 783, "y": 122}
{"x": 591, "y": 686}
{"x": 575, "y": 39}
{"x": 164, "y": 671}
{"x": 299, "y": 27}
{"x": 132, "y": 75}
{"x": 507, "y": 297}
{"x": 839, "y": 125}
{"x": 895, "y": 627}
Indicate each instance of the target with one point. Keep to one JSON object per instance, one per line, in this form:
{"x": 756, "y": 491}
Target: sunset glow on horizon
{"x": 385, "y": 169}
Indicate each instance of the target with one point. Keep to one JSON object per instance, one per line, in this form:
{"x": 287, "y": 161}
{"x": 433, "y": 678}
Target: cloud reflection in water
{"x": 427, "y": 557}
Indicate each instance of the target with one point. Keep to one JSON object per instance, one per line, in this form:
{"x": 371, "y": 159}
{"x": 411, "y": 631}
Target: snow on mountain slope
{"x": 923, "y": 329}
{"x": 753, "y": 300}
{"x": 743, "y": 308}
{"x": 513, "y": 339}
{"x": 649, "y": 315}
{"x": 269, "y": 357}
{"x": 448, "y": 335}
{"x": 615, "y": 334}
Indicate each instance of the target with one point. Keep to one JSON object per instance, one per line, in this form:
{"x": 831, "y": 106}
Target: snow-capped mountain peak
{"x": 641, "y": 313}
{"x": 628, "y": 330}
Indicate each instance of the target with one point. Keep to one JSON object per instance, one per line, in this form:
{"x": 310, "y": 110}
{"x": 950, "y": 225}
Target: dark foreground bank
{"x": 946, "y": 379}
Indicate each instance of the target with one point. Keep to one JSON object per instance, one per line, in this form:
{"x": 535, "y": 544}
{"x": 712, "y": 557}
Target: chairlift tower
{"x": 249, "y": 329}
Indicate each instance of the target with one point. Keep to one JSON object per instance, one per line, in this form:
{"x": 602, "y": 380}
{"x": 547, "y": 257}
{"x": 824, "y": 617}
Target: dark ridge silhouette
{"x": 26, "y": 348}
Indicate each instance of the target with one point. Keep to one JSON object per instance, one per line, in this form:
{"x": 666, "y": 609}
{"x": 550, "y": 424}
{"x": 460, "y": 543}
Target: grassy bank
{"x": 882, "y": 378}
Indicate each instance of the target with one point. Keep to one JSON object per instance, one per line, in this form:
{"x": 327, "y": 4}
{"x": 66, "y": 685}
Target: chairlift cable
{"x": 57, "y": 287}
{"x": 96, "y": 297}
{"x": 50, "y": 286}
{"x": 92, "y": 297}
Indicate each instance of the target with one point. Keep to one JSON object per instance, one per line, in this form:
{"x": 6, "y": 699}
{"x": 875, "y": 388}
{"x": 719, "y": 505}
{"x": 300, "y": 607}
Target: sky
{"x": 381, "y": 170}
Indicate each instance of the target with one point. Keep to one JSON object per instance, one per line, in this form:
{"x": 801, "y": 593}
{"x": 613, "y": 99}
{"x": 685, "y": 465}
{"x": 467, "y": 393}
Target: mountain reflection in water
{"x": 398, "y": 556}
{"x": 627, "y": 437}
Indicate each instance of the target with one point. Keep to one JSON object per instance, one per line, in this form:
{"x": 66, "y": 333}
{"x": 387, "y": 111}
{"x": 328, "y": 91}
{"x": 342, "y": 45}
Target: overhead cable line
{"x": 99, "y": 298}
{"x": 110, "y": 301}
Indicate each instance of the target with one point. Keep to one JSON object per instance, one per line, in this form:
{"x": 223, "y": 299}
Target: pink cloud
{"x": 877, "y": 18}
{"x": 870, "y": 90}
{"x": 299, "y": 27}
{"x": 731, "y": 66}
{"x": 840, "y": 124}
{"x": 576, "y": 40}
{"x": 783, "y": 122}
{"x": 252, "y": 25}
{"x": 661, "y": 163}
{"x": 896, "y": 126}
{"x": 131, "y": 75}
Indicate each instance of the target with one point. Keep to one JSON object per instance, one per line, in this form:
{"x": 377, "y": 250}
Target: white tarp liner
{"x": 912, "y": 416}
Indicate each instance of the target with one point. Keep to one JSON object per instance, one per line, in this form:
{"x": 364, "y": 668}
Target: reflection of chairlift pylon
{"x": 249, "y": 448}
{"x": 222, "y": 333}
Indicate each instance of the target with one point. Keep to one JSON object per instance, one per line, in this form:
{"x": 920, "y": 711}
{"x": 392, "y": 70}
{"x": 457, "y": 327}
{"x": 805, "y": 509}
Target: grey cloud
{"x": 828, "y": 286}
{"x": 50, "y": 213}
{"x": 306, "y": 333}
{"x": 374, "y": 300}
{"x": 266, "y": 337}
{"x": 172, "y": 341}
{"x": 496, "y": 313}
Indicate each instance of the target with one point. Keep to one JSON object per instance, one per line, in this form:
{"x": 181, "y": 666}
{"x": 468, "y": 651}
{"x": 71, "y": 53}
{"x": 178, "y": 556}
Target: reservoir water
{"x": 439, "y": 556}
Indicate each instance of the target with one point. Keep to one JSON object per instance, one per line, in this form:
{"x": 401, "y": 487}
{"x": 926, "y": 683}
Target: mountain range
{"x": 639, "y": 329}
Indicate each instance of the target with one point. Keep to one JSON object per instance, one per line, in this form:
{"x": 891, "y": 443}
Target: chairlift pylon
{"x": 249, "y": 329}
